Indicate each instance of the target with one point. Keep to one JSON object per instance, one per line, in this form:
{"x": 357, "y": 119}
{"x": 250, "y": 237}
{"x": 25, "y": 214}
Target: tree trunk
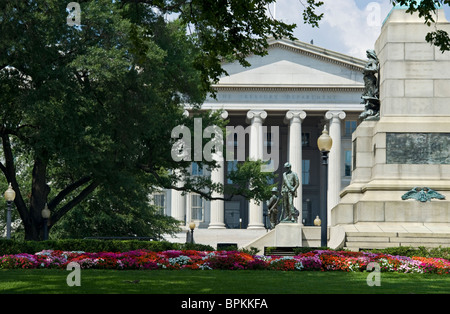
{"x": 39, "y": 194}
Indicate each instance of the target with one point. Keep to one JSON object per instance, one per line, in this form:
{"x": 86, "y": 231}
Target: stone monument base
{"x": 379, "y": 235}
{"x": 399, "y": 157}
{"x": 284, "y": 234}
{"x": 395, "y": 164}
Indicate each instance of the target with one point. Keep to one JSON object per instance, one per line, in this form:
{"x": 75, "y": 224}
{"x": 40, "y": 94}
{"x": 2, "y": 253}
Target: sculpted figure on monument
{"x": 371, "y": 93}
{"x": 422, "y": 194}
{"x": 272, "y": 205}
{"x": 289, "y": 192}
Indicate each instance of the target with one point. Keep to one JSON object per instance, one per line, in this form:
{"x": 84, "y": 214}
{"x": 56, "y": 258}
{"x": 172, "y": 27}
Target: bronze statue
{"x": 272, "y": 205}
{"x": 289, "y": 192}
{"x": 371, "y": 95}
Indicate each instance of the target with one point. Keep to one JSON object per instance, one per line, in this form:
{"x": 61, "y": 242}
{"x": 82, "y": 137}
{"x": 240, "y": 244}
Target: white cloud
{"x": 357, "y": 28}
{"x": 346, "y": 27}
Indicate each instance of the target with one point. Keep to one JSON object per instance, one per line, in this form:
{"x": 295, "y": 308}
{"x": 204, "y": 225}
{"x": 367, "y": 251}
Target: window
{"x": 348, "y": 163}
{"x": 268, "y": 140}
{"x": 232, "y": 214}
{"x": 306, "y": 165}
{"x": 159, "y": 200}
{"x": 232, "y": 140}
{"x": 305, "y": 139}
{"x": 197, "y": 206}
{"x": 197, "y": 170}
{"x": 231, "y": 166}
{"x": 350, "y": 127}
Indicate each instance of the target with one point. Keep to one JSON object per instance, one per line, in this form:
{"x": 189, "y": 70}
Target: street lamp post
{"x": 10, "y": 195}
{"x": 45, "y": 215}
{"x": 324, "y": 142}
{"x": 192, "y": 227}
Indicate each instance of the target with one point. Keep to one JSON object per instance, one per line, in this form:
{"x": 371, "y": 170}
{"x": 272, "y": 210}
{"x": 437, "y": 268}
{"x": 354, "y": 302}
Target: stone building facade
{"x": 283, "y": 100}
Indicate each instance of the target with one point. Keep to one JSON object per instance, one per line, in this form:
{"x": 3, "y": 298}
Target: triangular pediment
{"x": 295, "y": 64}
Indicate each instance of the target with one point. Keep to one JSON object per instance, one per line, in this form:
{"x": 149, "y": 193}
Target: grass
{"x": 48, "y": 281}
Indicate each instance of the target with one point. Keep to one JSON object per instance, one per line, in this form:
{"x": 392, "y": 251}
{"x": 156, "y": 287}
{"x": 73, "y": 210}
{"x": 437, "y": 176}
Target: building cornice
{"x": 320, "y": 53}
{"x": 288, "y": 88}
{"x": 284, "y": 107}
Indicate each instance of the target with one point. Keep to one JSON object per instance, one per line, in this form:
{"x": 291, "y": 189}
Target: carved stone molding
{"x": 294, "y": 116}
{"x": 332, "y": 114}
{"x": 256, "y": 115}
{"x": 319, "y": 56}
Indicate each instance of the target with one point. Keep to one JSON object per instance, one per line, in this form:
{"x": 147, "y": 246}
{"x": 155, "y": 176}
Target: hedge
{"x": 409, "y": 251}
{"x": 94, "y": 245}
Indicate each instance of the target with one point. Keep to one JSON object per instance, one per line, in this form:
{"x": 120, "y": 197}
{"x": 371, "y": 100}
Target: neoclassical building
{"x": 283, "y": 100}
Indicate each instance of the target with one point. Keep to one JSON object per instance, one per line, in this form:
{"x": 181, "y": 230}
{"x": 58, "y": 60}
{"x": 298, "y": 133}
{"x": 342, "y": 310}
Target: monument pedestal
{"x": 408, "y": 147}
{"x": 284, "y": 234}
{"x": 379, "y": 179}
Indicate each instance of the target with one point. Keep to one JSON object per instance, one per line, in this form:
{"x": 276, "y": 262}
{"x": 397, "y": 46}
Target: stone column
{"x": 178, "y": 204}
{"x": 334, "y": 162}
{"x": 295, "y": 118}
{"x": 217, "y": 214}
{"x": 256, "y": 119}
{"x": 177, "y": 199}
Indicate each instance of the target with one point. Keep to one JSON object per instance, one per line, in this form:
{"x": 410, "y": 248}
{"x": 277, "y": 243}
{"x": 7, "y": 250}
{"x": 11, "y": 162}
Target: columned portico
{"x": 292, "y": 91}
{"x": 295, "y": 119}
{"x": 256, "y": 119}
{"x": 334, "y": 168}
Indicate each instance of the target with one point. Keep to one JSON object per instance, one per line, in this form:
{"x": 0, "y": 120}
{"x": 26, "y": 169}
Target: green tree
{"x": 90, "y": 107}
{"x": 106, "y": 213}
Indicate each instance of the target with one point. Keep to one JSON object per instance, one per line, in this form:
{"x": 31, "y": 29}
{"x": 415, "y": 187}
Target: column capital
{"x": 256, "y": 114}
{"x": 295, "y": 116}
{"x": 224, "y": 114}
{"x": 333, "y": 114}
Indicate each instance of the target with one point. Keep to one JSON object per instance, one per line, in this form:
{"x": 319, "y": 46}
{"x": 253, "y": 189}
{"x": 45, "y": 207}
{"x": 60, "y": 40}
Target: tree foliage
{"x": 86, "y": 110}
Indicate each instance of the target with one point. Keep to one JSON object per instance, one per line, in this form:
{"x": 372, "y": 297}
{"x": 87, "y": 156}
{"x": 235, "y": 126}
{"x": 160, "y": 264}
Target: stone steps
{"x": 356, "y": 241}
{"x": 279, "y": 251}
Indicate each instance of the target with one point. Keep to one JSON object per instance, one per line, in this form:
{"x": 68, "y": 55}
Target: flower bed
{"x": 319, "y": 260}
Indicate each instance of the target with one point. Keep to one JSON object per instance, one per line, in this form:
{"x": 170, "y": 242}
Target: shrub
{"x": 409, "y": 251}
{"x": 227, "y": 261}
{"x": 94, "y": 245}
{"x": 285, "y": 263}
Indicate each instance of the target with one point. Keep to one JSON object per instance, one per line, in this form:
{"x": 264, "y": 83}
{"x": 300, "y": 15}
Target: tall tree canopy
{"x": 91, "y": 104}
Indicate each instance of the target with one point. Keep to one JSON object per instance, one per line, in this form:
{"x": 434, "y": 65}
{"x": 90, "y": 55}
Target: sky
{"x": 348, "y": 26}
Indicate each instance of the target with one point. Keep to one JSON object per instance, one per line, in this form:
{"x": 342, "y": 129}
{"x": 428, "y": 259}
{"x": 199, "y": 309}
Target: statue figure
{"x": 371, "y": 93}
{"x": 272, "y": 205}
{"x": 289, "y": 192}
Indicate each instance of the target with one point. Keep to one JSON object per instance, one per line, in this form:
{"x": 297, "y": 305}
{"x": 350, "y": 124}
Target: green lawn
{"x": 47, "y": 281}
